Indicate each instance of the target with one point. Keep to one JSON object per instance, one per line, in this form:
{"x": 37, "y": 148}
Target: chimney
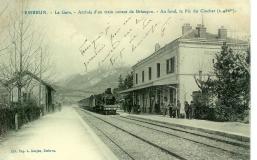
{"x": 157, "y": 47}
{"x": 108, "y": 91}
{"x": 201, "y": 31}
{"x": 186, "y": 28}
{"x": 222, "y": 33}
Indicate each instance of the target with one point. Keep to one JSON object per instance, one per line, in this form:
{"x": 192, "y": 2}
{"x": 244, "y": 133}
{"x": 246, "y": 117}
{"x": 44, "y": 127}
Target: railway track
{"x": 203, "y": 138}
{"x": 232, "y": 141}
{"x": 110, "y": 139}
{"x": 195, "y": 139}
{"x": 171, "y": 154}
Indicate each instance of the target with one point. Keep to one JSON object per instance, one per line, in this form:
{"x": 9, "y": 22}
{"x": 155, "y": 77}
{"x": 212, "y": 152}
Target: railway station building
{"x": 35, "y": 89}
{"x": 169, "y": 71}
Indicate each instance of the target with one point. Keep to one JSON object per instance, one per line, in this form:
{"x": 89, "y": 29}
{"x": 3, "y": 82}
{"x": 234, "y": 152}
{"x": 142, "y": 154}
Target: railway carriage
{"x": 104, "y": 103}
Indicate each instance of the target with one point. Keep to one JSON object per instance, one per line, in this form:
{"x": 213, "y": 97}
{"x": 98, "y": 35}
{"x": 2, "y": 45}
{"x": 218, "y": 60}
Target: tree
{"x": 123, "y": 85}
{"x": 203, "y": 85}
{"x": 120, "y": 86}
{"x": 128, "y": 81}
{"x": 26, "y": 51}
{"x": 203, "y": 99}
{"x": 231, "y": 84}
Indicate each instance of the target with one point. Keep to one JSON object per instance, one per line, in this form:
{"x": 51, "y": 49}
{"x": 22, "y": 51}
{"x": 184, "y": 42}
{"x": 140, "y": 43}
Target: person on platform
{"x": 156, "y": 107}
{"x": 192, "y": 112}
{"x": 178, "y": 109}
{"x": 173, "y": 110}
{"x": 165, "y": 106}
{"x": 129, "y": 108}
{"x": 170, "y": 109}
{"x": 152, "y": 105}
{"x": 186, "y": 109}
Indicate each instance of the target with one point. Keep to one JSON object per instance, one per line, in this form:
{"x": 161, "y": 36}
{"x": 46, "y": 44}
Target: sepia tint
{"x": 124, "y": 79}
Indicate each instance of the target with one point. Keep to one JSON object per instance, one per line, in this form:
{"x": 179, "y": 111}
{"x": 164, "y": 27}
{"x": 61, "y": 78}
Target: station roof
{"x": 151, "y": 84}
{"x": 24, "y": 73}
{"x": 192, "y": 36}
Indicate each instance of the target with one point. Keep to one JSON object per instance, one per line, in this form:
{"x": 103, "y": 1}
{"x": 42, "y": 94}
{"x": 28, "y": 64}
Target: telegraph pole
{"x": 21, "y": 40}
{"x": 15, "y": 66}
{"x": 40, "y": 76}
{"x": 15, "y": 56}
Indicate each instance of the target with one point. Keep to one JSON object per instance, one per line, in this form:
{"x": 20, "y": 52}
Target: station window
{"x": 158, "y": 70}
{"x": 143, "y": 76}
{"x": 170, "y": 65}
{"x": 150, "y": 73}
{"x": 172, "y": 95}
{"x": 136, "y": 78}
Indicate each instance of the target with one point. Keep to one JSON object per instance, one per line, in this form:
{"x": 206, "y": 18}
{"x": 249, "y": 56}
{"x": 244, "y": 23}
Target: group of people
{"x": 190, "y": 110}
{"x": 174, "y": 109}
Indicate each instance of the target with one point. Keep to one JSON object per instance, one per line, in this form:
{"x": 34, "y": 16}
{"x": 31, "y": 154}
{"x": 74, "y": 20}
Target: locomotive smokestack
{"x": 108, "y": 91}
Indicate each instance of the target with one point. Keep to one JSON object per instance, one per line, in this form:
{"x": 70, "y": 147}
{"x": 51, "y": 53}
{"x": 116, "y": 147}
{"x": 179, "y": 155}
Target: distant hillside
{"x": 96, "y": 81}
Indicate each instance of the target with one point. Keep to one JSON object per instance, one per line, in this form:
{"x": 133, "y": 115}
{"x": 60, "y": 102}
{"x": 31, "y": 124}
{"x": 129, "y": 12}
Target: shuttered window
{"x": 150, "y": 73}
{"x": 136, "y": 78}
{"x": 170, "y": 65}
{"x": 143, "y": 76}
{"x": 158, "y": 70}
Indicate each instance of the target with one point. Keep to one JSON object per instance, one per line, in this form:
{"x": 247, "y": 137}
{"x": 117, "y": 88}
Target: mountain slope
{"x": 95, "y": 81}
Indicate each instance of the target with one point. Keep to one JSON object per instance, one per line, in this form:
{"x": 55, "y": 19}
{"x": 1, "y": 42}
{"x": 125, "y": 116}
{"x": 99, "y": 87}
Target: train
{"x": 104, "y": 103}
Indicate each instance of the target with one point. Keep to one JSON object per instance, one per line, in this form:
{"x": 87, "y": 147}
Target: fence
{"x": 26, "y": 112}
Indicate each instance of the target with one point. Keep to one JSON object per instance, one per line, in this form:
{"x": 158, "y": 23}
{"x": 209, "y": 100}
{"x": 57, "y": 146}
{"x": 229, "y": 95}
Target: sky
{"x": 79, "y": 43}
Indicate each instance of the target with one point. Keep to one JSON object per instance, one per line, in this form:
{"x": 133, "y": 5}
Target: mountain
{"x": 96, "y": 81}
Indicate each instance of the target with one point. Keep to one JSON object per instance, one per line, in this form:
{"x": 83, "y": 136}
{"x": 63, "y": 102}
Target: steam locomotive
{"x": 104, "y": 103}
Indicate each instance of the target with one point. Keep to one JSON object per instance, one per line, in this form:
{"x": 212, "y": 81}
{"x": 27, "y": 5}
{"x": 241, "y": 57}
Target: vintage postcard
{"x": 140, "y": 80}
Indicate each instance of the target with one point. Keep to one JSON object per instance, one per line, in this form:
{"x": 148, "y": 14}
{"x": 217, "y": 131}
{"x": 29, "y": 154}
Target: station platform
{"x": 57, "y": 136}
{"x": 235, "y": 130}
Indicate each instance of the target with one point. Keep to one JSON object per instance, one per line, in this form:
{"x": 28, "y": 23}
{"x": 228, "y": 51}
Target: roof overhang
{"x": 24, "y": 73}
{"x": 152, "y": 84}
